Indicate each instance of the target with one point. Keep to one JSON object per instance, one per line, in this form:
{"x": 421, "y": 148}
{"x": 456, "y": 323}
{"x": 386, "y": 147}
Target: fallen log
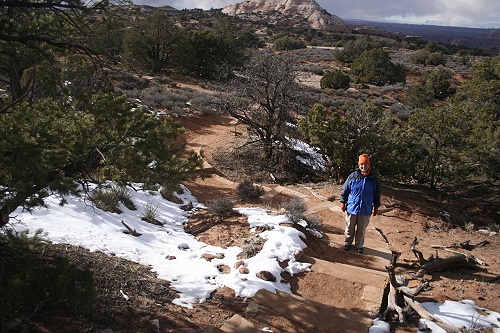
{"x": 438, "y": 265}
{"x": 477, "y": 260}
{"x": 424, "y": 314}
{"x": 201, "y": 229}
{"x": 466, "y": 245}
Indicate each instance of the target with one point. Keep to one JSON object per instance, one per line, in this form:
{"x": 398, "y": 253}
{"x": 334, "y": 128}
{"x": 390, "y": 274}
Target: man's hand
{"x": 342, "y": 206}
{"x": 375, "y": 211}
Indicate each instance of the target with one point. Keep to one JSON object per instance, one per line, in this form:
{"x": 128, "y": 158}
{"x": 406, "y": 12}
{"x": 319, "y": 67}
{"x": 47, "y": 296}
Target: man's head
{"x": 364, "y": 164}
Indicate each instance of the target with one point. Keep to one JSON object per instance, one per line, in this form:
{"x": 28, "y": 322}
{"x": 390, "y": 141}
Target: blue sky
{"x": 462, "y": 13}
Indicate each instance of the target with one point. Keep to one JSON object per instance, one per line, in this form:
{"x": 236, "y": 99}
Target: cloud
{"x": 475, "y": 13}
{"x": 468, "y": 13}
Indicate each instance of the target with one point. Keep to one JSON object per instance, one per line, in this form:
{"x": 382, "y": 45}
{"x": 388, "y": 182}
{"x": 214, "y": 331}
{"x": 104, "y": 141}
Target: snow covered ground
{"x": 194, "y": 278}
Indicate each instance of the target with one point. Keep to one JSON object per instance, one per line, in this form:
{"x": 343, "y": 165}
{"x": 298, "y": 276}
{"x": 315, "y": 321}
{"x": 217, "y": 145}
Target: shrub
{"x": 220, "y": 206}
{"x": 295, "y": 209}
{"x": 150, "y": 213}
{"x": 125, "y": 197}
{"x": 251, "y": 246}
{"x": 314, "y": 222}
{"x": 106, "y": 200}
{"x": 287, "y": 43}
{"x": 335, "y": 80}
{"x": 246, "y": 189}
{"x": 30, "y": 280}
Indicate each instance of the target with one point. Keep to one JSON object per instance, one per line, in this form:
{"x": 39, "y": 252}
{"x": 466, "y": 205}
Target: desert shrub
{"x": 164, "y": 80}
{"x": 220, "y": 206}
{"x": 318, "y": 70}
{"x": 424, "y": 57}
{"x": 31, "y": 281}
{"x": 314, "y": 222}
{"x": 200, "y": 101}
{"x": 331, "y": 102}
{"x": 287, "y": 43}
{"x": 295, "y": 209}
{"x": 150, "y": 213}
{"x": 106, "y": 199}
{"x": 251, "y": 246}
{"x": 246, "y": 189}
{"x": 335, "y": 80}
{"x": 124, "y": 196}
{"x": 401, "y": 111}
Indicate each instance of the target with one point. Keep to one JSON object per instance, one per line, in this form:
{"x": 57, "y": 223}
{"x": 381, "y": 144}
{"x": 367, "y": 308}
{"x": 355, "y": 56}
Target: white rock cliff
{"x": 317, "y": 17}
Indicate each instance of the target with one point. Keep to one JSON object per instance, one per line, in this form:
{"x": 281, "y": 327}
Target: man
{"x": 360, "y": 198}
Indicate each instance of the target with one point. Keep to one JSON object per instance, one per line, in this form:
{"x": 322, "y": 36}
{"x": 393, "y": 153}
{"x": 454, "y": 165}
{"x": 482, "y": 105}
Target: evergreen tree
{"x": 151, "y": 43}
{"x": 335, "y": 80}
{"x": 375, "y": 67}
{"x": 48, "y": 146}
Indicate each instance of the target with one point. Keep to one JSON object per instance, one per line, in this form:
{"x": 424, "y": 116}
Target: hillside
{"x": 486, "y": 39}
{"x": 343, "y": 292}
{"x": 408, "y": 212}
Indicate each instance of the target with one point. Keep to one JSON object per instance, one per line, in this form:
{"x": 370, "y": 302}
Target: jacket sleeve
{"x": 344, "y": 193}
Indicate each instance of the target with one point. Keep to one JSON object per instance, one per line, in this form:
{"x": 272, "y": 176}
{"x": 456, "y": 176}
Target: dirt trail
{"x": 341, "y": 282}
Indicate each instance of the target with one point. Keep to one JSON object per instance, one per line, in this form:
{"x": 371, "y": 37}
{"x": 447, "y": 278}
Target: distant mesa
{"x": 298, "y": 13}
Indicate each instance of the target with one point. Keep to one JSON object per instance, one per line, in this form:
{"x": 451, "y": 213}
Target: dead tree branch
{"x": 466, "y": 245}
{"x": 399, "y": 290}
{"x": 131, "y": 231}
{"x": 436, "y": 264}
{"x": 424, "y": 314}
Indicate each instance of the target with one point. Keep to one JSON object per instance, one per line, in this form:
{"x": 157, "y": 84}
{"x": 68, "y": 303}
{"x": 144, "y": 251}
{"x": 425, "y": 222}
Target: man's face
{"x": 364, "y": 168}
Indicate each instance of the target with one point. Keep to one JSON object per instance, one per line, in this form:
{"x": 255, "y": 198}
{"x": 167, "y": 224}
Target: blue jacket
{"x": 361, "y": 194}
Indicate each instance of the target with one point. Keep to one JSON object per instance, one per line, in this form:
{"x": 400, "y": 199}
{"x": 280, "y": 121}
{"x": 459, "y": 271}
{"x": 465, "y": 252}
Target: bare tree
{"x": 266, "y": 98}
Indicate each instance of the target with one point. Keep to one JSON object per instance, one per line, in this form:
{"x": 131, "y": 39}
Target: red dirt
{"x": 417, "y": 215}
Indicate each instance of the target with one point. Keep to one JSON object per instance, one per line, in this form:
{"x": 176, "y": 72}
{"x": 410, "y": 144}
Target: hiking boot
{"x": 360, "y": 250}
{"x": 347, "y": 247}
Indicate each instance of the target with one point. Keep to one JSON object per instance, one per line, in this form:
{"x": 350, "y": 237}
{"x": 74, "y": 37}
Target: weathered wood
{"x": 393, "y": 307}
{"x": 131, "y": 231}
{"x": 440, "y": 264}
{"x": 424, "y": 314}
{"x": 469, "y": 256}
{"x": 418, "y": 254}
{"x": 201, "y": 229}
{"x": 399, "y": 286}
{"x": 467, "y": 245}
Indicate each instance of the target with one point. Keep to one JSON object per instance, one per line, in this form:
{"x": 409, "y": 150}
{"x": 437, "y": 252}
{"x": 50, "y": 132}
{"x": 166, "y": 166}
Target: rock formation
{"x": 290, "y": 12}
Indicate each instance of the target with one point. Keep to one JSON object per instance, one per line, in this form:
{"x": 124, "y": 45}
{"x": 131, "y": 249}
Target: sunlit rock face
{"x": 294, "y": 12}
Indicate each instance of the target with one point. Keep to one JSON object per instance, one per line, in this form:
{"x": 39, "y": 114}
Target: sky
{"x": 193, "y": 277}
{"x": 461, "y": 13}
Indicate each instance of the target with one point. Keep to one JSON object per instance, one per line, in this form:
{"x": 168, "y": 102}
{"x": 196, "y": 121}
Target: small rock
{"x": 244, "y": 270}
{"x": 207, "y": 256}
{"x": 252, "y": 308}
{"x": 266, "y": 276}
{"x": 486, "y": 232}
{"x": 183, "y": 246}
{"x": 239, "y": 263}
{"x": 187, "y": 207}
{"x": 224, "y": 269}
